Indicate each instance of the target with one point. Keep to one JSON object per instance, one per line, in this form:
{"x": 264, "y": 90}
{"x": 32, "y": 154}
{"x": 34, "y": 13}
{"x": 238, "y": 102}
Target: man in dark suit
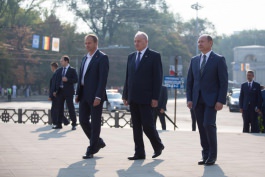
{"x": 263, "y": 106}
{"x": 65, "y": 80}
{"x": 54, "y": 109}
{"x": 162, "y": 107}
{"x": 207, "y": 84}
{"x": 141, "y": 91}
{"x": 250, "y": 101}
{"x": 91, "y": 93}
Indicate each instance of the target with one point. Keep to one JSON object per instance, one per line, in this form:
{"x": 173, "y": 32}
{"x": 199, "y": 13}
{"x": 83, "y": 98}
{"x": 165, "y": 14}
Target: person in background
{"x": 66, "y": 77}
{"x": 54, "y": 109}
{"x": 250, "y": 101}
{"x": 14, "y": 91}
{"x": 162, "y": 107}
{"x": 263, "y": 106}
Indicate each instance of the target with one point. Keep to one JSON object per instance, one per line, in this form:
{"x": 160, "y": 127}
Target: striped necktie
{"x": 203, "y": 63}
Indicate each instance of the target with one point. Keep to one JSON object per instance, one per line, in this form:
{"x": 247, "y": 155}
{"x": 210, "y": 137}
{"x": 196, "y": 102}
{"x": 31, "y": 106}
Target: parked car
{"x": 114, "y": 102}
{"x": 230, "y": 92}
{"x": 233, "y": 101}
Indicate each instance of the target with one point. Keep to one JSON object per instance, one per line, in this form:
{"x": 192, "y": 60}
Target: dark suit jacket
{"x": 143, "y": 85}
{"x": 52, "y": 85}
{"x": 252, "y": 97}
{"x": 71, "y": 77}
{"x": 213, "y": 82}
{"x": 162, "y": 101}
{"x": 95, "y": 80}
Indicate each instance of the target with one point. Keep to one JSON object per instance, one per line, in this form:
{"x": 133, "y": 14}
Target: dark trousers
{"x": 250, "y": 118}
{"x": 142, "y": 119}
{"x": 62, "y": 97}
{"x": 263, "y": 119}
{"x": 90, "y": 121}
{"x": 55, "y": 113}
{"x": 161, "y": 117}
{"x": 206, "y": 120}
{"x": 193, "y": 120}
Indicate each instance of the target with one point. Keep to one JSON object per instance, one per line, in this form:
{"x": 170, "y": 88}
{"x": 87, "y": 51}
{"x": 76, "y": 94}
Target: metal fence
{"x": 118, "y": 119}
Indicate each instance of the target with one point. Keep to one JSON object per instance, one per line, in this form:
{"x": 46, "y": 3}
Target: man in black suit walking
{"x": 65, "y": 80}
{"x": 162, "y": 107}
{"x": 54, "y": 109}
{"x": 250, "y": 101}
{"x": 207, "y": 84}
{"x": 91, "y": 93}
{"x": 141, "y": 91}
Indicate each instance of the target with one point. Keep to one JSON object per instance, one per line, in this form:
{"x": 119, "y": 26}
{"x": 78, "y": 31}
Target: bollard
{"x": 19, "y": 116}
{"x": 116, "y": 118}
{"x": 49, "y": 117}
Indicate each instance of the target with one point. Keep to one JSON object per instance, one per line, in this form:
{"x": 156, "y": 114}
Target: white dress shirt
{"x": 88, "y": 59}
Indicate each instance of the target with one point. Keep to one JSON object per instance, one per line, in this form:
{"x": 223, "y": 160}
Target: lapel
{"x": 94, "y": 58}
{"x": 82, "y": 64}
{"x": 197, "y": 64}
{"x": 144, "y": 58}
{"x": 133, "y": 60}
{"x": 208, "y": 63}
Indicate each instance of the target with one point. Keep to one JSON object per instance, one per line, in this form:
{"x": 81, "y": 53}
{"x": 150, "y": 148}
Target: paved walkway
{"x": 39, "y": 151}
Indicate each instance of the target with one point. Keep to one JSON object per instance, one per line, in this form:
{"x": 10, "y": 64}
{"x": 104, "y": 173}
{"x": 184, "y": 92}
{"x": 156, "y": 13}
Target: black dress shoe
{"x": 88, "y": 156}
{"x": 57, "y": 127}
{"x": 66, "y": 123}
{"x": 137, "y": 157}
{"x": 202, "y": 162}
{"x": 101, "y": 145}
{"x": 158, "y": 152}
{"x": 74, "y": 127}
{"x": 210, "y": 161}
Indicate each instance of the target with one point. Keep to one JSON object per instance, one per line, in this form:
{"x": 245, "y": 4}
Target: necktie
{"x": 137, "y": 60}
{"x": 249, "y": 86}
{"x": 203, "y": 63}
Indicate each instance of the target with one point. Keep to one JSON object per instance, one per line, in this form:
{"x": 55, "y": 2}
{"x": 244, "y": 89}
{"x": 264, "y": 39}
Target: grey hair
{"x": 141, "y": 33}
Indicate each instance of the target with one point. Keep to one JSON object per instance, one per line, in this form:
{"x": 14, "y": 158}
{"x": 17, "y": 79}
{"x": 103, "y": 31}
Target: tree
{"x": 189, "y": 32}
{"x": 104, "y": 17}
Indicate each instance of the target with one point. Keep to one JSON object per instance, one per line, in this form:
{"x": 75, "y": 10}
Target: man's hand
{"x": 54, "y": 94}
{"x": 96, "y": 102}
{"x": 162, "y": 111}
{"x": 189, "y": 104}
{"x": 154, "y": 103}
{"x": 125, "y": 102}
{"x": 241, "y": 110}
{"x": 64, "y": 79}
{"x": 76, "y": 99}
{"x": 49, "y": 99}
{"x": 218, "y": 106}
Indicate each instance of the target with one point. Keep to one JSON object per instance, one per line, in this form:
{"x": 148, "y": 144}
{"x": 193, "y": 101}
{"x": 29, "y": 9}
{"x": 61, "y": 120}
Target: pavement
{"x": 28, "y": 150}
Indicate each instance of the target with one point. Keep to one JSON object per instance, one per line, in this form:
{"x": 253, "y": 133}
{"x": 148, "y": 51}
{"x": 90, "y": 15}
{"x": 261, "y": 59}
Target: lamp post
{"x": 196, "y": 7}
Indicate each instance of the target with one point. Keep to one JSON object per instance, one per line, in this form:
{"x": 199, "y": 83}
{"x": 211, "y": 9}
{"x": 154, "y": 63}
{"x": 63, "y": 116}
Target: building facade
{"x": 249, "y": 58}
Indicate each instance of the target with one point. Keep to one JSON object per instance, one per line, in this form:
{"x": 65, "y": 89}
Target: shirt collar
{"x": 67, "y": 66}
{"x": 143, "y": 51}
{"x": 250, "y": 82}
{"x": 90, "y": 56}
{"x": 207, "y": 54}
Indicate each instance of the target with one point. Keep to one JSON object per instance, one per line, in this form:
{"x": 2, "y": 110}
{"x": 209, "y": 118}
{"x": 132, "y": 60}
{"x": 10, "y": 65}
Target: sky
{"x": 228, "y": 16}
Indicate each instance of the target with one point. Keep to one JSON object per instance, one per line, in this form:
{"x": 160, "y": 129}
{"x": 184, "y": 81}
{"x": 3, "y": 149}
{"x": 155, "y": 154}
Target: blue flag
{"x": 35, "y": 41}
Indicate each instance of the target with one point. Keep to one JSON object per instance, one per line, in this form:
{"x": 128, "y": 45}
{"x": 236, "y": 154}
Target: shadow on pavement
{"x": 137, "y": 168}
{"x": 213, "y": 171}
{"x": 82, "y": 168}
{"x": 41, "y": 129}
